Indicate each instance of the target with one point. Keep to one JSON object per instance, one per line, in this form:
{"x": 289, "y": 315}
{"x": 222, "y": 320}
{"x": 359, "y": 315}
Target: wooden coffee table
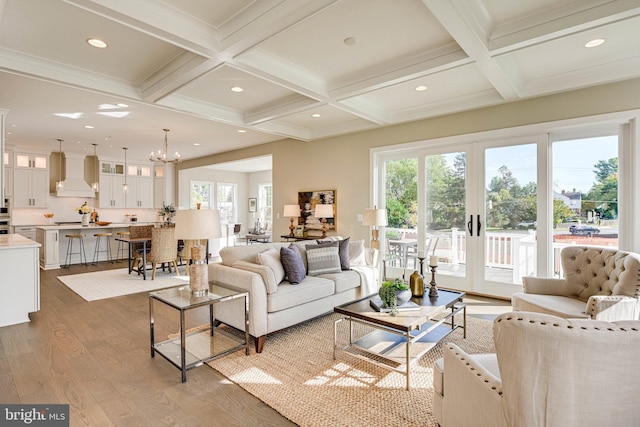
{"x": 399, "y": 341}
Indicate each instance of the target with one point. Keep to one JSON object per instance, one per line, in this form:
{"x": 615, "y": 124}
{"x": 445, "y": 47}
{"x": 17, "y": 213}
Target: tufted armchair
{"x": 601, "y": 284}
{"x": 547, "y": 371}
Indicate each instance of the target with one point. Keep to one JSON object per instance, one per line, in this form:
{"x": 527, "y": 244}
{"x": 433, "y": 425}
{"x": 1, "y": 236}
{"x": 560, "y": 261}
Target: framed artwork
{"x": 253, "y": 205}
{"x": 299, "y": 231}
{"x": 308, "y": 200}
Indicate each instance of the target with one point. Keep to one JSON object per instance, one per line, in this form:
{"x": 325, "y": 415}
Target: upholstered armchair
{"x": 547, "y": 371}
{"x": 599, "y": 283}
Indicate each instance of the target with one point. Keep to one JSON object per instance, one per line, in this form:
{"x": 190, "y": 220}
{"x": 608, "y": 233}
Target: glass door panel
{"x": 510, "y": 203}
{"x": 585, "y": 194}
{"x": 445, "y": 213}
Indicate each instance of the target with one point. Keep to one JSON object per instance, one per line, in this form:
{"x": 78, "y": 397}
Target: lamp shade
{"x": 198, "y": 224}
{"x": 374, "y": 217}
{"x": 291, "y": 211}
{"x": 324, "y": 211}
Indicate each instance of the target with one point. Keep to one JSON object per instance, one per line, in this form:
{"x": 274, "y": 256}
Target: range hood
{"x": 74, "y": 184}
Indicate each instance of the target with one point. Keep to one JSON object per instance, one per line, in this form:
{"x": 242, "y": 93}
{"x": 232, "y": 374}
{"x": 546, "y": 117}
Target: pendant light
{"x": 95, "y": 186}
{"x": 60, "y": 184}
{"x": 125, "y": 186}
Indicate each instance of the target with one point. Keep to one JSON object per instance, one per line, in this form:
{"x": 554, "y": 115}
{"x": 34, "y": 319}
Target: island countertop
{"x": 12, "y": 241}
{"x": 92, "y": 226}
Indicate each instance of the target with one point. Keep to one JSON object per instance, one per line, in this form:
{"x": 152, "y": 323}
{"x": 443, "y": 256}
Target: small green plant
{"x": 388, "y": 292}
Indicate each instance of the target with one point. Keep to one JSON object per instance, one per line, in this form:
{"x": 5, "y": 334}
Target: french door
{"x": 480, "y": 210}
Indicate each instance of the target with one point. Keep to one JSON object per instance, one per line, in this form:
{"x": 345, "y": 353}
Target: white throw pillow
{"x": 356, "y": 253}
{"x": 271, "y": 258}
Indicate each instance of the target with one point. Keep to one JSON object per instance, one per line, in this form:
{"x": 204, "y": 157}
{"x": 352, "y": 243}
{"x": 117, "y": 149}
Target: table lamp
{"x": 198, "y": 224}
{"x": 324, "y": 212}
{"x": 291, "y": 212}
{"x": 374, "y": 218}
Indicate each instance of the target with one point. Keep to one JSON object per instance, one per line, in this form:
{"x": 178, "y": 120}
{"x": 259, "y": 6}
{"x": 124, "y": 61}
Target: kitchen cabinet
{"x": 111, "y": 168}
{"x": 111, "y": 194}
{"x": 8, "y": 175}
{"x": 50, "y": 249}
{"x": 30, "y": 187}
{"x": 28, "y": 231}
{"x": 140, "y": 194}
{"x": 31, "y": 161}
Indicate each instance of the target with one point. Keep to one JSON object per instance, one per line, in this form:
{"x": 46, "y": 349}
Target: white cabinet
{"x": 27, "y": 231}
{"x": 111, "y": 168}
{"x": 50, "y": 249}
{"x": 8, "y": 175}
{"x": 30, "y": 188}
{"x": 111, "y": 194}
{"x": 140, "y": 194}
{"x": 31, "y": 161}
{"x": 20, "y": 284}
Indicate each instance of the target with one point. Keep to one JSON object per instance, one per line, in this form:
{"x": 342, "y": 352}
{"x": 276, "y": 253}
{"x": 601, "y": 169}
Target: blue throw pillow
{"x": 293, "y": 265}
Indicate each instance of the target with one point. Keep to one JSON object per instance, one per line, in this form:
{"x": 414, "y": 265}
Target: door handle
{"x": 470, "y": 225}
{"x": 479, "y": 225}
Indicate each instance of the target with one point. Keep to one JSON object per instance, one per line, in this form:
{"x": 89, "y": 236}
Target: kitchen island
{"x": 54, "y": 243}
{"x": 20, "y": 284}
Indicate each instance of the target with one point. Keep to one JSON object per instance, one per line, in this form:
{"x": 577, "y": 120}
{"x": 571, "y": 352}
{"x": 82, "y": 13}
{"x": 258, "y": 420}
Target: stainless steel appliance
{"x": 5, "y": 217}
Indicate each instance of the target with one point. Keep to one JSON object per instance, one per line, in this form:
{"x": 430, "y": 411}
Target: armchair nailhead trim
{"x": 584, "y": 328}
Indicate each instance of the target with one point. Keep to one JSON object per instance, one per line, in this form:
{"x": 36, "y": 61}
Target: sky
{"x": 573, "y": 161}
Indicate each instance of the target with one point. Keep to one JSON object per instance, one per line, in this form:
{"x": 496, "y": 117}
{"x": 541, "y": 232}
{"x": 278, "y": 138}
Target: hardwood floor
{"x": 95, "y": 357}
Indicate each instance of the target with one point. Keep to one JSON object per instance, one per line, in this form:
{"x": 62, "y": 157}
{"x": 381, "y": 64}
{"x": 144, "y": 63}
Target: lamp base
{"x": 198, "y": 272}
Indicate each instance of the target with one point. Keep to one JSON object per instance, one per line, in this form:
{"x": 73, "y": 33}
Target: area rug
{"x": 297, "y": 376}
{"x": 113, "y": 283}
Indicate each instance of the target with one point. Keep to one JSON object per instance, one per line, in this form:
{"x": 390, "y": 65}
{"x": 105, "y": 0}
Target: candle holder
{"x": 433, "y": 288}
{"x": 421, "y": 265}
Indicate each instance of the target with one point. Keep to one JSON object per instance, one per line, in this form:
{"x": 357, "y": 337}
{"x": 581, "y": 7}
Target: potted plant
{"x": 167, "y": 213}
{"x": 394, "y": 293}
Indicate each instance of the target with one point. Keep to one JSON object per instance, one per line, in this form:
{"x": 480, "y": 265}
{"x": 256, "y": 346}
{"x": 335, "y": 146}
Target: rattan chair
{"x": 164, "y": 248}
{"x": 136, "y": 232}
{"x": 185, "y": 253}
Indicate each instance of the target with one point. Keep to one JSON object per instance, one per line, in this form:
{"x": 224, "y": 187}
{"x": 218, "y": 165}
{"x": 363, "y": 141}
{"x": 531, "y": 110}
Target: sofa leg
{"x": 259, "y": 341}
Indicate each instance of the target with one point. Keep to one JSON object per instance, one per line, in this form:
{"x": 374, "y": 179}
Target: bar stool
{"x": 96, "y": 252}
{"x": 81, "y": 252}
{"x": 122, "y": 246}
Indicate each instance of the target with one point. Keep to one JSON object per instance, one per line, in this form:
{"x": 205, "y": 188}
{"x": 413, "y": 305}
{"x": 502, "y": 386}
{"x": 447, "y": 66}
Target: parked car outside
{"x": 583, "y": 229}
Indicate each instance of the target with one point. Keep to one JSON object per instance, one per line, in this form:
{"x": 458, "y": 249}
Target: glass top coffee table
{"x": 396, "y": 342}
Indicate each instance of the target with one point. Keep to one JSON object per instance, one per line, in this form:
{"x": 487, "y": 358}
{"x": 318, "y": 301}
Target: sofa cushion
{"x": 248, "y": 253}
{"x": 343, "y": 252}
{"x": 323, "y": 259}
{"x": 288, "y": 295}
{"x": 550, "y": 304}
{"x": 356, "y": 253}
{"x": 271, "y": 258}
{"x": 344, "y": 280}
{"x": 293, "y": 265}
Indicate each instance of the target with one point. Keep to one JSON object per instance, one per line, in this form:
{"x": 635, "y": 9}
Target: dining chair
{"x": 137, "y": 232}
{"x": 164, "y": 249}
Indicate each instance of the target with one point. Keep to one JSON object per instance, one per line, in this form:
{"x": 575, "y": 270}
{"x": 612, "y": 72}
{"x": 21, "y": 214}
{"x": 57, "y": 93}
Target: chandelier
{"x": 163, "y": 155}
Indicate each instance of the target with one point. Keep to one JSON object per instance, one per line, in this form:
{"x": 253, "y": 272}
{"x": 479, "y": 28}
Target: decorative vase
{"x": 85, "y": 220}
{"x": 403, "y": 296}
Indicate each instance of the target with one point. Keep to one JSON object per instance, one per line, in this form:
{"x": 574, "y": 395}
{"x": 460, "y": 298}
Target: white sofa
{"x": 275, "y": 306}
{"x": 547, "y": 371}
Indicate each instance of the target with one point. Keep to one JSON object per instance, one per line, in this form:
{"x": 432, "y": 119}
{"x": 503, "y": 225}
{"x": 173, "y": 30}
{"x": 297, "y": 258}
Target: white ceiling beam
{"x": 285, "y": 107}
{"x": 461, "y": 22}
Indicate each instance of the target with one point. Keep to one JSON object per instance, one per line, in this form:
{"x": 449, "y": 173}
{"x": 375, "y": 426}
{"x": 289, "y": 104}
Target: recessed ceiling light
{"x": 316, "y": 115}
{"x": 196, "y": 144}
{"x": 88, "y": 127}
{"x": 97, "y": 43}
{"x": 594, "y": 43}
{"x": 236, "y": 89}
{"x": 421, "y": 88}
{"x": 349, "y": 41}
{"x": 242, "y": 131}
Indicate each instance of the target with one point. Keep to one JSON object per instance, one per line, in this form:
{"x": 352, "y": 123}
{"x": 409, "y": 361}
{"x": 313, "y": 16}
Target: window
{"x": 265, "y": 203}
{"x": 227, "y": 203}
{"x": 201, "y": 192}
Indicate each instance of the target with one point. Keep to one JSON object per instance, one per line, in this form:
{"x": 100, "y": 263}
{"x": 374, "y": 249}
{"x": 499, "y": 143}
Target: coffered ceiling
{"x": 308, "y": 69}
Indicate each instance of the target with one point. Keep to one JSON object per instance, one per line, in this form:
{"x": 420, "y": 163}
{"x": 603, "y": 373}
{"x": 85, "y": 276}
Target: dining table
{"x": 132, "y": 241}
{"x": 403, "y": 246}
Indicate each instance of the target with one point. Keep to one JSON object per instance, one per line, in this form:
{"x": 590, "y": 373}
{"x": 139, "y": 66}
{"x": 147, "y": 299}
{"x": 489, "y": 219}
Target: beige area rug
{"x": 297, "y": 376}
{"x": 113, "y": 283}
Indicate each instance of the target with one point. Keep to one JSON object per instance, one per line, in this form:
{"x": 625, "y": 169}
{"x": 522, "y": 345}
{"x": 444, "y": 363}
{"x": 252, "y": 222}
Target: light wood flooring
{"x": 95, "y": 357}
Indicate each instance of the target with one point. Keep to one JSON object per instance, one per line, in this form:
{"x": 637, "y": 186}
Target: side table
{"x": 188, "y": 351}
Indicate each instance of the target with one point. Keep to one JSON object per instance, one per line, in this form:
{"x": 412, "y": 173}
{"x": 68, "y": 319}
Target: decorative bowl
{"x": 102, "y": 223}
